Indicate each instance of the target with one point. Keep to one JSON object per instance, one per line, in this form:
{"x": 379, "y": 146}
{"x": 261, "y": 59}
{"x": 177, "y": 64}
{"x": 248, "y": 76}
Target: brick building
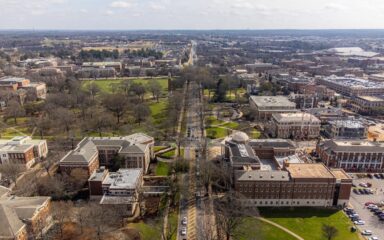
{"x": 24, "y": 218}
{"x": 135, "y": 151}
{"x": 119, "y": 188}
{"x": 352, "y": 155}
{"x": 36, "y": 90}
{"x": 22, "y": 150}
{"x": 292, "y": 184}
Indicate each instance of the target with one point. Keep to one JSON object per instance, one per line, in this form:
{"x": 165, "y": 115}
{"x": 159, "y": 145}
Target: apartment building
{"x": 135, "y": 151}
{"x": 290, "y": 183}
{"x": 22, "y": 150}
{"x": 24, "y": 218}
{"x": 294, "y": 126}
{"x": 350, "y": 86}
{"x": 346, "y": 128}
{"x": 120, "y": 189}
{"x": 352, "y": 155}
{"x": 265, "y": 106}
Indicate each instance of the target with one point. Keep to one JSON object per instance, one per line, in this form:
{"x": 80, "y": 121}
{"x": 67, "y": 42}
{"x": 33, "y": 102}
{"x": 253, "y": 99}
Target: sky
{"x": 191, "y": 14}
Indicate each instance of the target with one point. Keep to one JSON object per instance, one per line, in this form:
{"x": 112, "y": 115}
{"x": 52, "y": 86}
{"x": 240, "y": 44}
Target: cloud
{"x": 109, "y": 12}
{"x": 156, "y": 6}
{"x": 334, "y": 7}
{"x": 121, "y": 4}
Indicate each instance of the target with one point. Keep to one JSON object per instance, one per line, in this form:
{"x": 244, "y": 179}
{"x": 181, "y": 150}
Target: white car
{"x": 366, "y": 232}
{"x": 373, "y": 238}
{"x": 184, "y": 221}
{"x": 360, "y": 222}
{"x": 183, "y": 231}
{"x": 363, "y": 185}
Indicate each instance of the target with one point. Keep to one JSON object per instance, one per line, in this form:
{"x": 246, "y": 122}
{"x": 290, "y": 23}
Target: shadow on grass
{"x": 299, "y": 212}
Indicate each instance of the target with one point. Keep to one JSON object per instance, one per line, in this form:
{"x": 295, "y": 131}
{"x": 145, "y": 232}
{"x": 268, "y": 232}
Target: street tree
{"x": 61, "y": 213}
{"x": 11, "y": 171}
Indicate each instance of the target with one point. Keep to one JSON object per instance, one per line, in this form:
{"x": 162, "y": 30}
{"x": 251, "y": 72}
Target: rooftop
{"x": 348, "y": 123}
{"x": 275, "y": 143}
{"x": 273, "y": 101}
{"x": 123, "y": 178}
{"x": 352, "y": 146}
{"x": 355, "y": 83}
{"x": 258, "y": 175}
{"x": 295, "y": 117}
{"x": 372, "y": 98}
{"x": 309, "y": 170}
{"x": 11, "y": 79}
{"x": 339, "y": 173}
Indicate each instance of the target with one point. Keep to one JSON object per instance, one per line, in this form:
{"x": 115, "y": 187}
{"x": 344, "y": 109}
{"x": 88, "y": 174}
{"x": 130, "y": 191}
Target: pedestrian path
{"x": 281, "y": 227}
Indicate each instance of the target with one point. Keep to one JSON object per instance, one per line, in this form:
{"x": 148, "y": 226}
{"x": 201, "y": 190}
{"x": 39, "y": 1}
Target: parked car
{"x": 378, "y": 212}
{"x": 183, "y": 231}
{"x": 381, "y": 175}
{"x": 363, "y": 185}
{"x": 377, "y": 176}
{"x": 369, "y": 203}
{"x": 369, "y": 175}
{"x": 347, "y": 209}
{"x": 356, "y": 191}
{"x": 359, "y": 222}
{"x": 361, "y": 191}
{"x": 366, "y": 232}
{"x": 373, "y": 238}
{"x": 184, "y": 221}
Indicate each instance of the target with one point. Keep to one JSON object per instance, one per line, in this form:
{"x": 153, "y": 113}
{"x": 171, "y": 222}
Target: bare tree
{"x": 64, "y": 117}
{"x": 141, "y": 112}
{"x": 14, "y": 110}
{"x": 138, "y": 89}
{"x": 93, "y": 89}
{"x": 101, "y": 122}
{"x": 126, "y": 85}
{"x": 329, "y": 231}
{"x": 155, "y": 88}
{"x": 61, "y": 213}
{"x": 230, "y": 214}
{"x": 100, "y": 218}
{"x": 117, "y": 104}
{"x": 11, "y": 171}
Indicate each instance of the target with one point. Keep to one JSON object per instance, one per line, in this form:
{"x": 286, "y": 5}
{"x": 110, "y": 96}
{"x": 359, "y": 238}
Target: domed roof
{"x": 240, "y": 137}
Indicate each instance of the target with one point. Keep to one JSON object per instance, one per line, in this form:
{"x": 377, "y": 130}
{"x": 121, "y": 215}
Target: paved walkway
{"x": 281, "y": 227}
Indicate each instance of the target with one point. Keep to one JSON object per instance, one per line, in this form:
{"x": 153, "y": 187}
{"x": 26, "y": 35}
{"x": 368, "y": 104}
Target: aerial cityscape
{"x": 150, "y": 122}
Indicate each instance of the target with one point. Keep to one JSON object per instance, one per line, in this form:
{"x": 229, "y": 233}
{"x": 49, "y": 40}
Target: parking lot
{"x": 358, "y": 201}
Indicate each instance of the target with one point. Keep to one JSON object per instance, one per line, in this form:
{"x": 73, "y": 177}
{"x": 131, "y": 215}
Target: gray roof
{"x": 274, "y": 143}
{"x": 14, "y": 210}
{"x": 262, "y": 176}
{"x": 272, "y": 101}
{"x": 352, "y": 146}
{"x": 82, "y": 154}
{"x": 242, "y": 153}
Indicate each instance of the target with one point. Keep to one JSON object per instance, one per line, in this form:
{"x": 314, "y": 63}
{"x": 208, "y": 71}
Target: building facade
{"x": 294, "y": 126}
{"x": 352, "y": 155}
{"x": 349, "y": 128}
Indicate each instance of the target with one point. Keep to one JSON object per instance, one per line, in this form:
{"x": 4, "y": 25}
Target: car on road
{"x": 184, "y": 221}
{"x": 366, "y": 232}
{"x": 183, "y": 231}
{"x": 359, "y": 222}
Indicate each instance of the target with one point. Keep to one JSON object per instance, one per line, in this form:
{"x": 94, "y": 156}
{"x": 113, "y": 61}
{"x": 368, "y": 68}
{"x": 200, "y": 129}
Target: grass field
{"x": 162, "y": 169}
{"x": 148, "y": 231}
{"x": 213, "y": 121}
{"x": 105, "y": 84}
{"x": 216, "y": 132}
{"x": 256, "y": 229}
{"x": 254, "y": 134}
{"x": 307, "y": 222}
{"x": 159, "y": 148}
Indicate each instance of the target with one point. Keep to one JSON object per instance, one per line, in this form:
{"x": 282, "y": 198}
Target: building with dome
{"x": 268, "y": 172}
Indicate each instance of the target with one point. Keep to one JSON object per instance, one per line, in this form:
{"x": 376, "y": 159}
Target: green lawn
{"x": 162, "y": 169}
{"x": 173, "y": 221}
{"x": 105, "y": 84}
{"x": 254, "y": 134}
{"x": 213, "y": 121}
{"x": 216, "y": 132}
{"x": 159, "y": 148}
{"x": 307, "y": 222}
{"x": 170, "y": 154}
{"x": 231, "y": 125}
{"x": 256, "y": 229}
{"x": 158, "y": 110}
{"x": 148, "y": 231}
